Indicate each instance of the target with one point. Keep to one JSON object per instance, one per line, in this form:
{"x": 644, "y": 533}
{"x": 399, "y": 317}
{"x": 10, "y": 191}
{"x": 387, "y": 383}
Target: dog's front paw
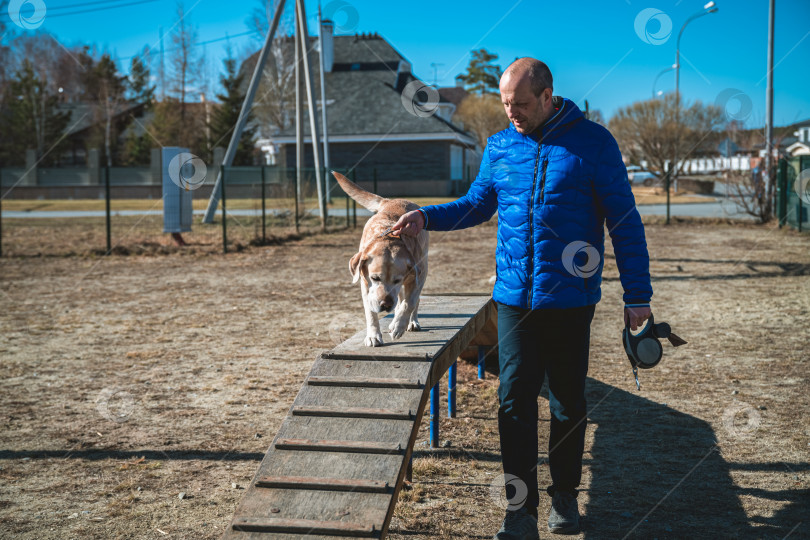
{"x": 414, "y": 326}
{"x": 373, "y": 341}
{"x": 397, "y": 330}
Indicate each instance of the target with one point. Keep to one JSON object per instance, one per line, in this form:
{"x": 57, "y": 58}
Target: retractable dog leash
{"x": 643, "y": 349}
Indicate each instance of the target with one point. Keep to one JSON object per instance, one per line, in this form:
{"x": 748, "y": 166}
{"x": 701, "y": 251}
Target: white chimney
{"x": 327, "y": 35}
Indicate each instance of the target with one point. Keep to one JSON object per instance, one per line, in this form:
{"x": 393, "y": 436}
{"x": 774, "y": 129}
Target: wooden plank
{"x": 363, "y": 382}
{"x": 303, "y": 526}
{"x": 373, "y": 398}
{"x": 351, "y": 412}
{"x": 332, "y": 465}
{"x": 321, "y": 483}
{"x": 318, "y": 505}
{"x": 320, "y": 445}
{"x": 346, "y": 429}
{"x": 449, "y": 323}
{"x": 440, "y": 317}
{"x": 370, "y": 368}
{"x": 450, "y": 353}
{"x": 374, "y": 353}
{"x": 444, "y": 357}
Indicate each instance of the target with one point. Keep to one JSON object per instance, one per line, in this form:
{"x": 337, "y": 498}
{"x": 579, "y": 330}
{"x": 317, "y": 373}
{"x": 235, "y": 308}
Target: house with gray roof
{"x": 377, "y": 125}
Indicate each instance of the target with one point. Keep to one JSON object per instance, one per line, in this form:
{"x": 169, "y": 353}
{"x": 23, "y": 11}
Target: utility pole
{"x": 247, "y": 104}
{"x": 303, "y": 36}
{"x": 326, "y": 163}
{"x": 162, "y": 67}
{"x": 769, "y": 109}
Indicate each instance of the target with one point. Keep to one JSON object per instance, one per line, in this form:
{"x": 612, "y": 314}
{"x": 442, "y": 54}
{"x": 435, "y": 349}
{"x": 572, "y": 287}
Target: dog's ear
{"x": 356, "y": 265}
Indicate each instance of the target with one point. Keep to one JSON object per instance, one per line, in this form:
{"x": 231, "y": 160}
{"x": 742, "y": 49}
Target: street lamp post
{"x": 708, "y": 8}
{"x": 655, "y": 81}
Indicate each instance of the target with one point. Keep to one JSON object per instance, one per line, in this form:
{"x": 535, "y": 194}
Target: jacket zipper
{"x": 531, "y": 220}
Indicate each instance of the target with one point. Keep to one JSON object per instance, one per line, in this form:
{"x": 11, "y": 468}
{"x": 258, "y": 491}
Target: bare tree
{"x": 595, "y": 115}
{"x": 483, "y": 115}
{"x": 753, "y": 191}
{"x": 56, "y": 65}
{"x": 657, "y": 132}
{"x": 185, "y": 65}
{"x": 274, "y": 105}
{"x": 5, "y": 62}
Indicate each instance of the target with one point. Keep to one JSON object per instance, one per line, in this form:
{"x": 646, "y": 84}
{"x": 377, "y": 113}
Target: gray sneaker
{"x": 518, "y": 525}
{"x": 564, "y": 515}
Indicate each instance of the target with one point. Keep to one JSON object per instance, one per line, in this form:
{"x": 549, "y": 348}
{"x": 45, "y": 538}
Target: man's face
{"x": 525, "y": 110}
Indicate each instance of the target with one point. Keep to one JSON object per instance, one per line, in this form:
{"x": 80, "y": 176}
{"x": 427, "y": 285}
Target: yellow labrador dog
{"x": 393, "y": 268}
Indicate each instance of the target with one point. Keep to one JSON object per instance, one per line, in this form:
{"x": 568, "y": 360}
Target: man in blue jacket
{"x": 555, "y": 179}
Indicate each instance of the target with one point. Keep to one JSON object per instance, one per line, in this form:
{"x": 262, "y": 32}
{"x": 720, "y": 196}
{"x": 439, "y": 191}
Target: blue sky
{"x": 592, "y": 47}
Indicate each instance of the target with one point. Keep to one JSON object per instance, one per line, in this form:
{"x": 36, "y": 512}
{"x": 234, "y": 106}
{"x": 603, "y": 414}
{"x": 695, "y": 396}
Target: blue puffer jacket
{"x": 554, "y": 190}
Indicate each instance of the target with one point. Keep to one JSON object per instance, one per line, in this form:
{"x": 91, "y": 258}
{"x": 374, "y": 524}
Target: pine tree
{"x": 137, "y": 150}
{"x": 104, "y": 87}
{"x": 140, "y": 90}
{"x": 482, "y": 75}
{"x": 224, "y": 117}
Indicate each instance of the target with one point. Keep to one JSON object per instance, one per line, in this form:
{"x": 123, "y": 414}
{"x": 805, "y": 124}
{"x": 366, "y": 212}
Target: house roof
{"x": 365, "y": 95}
{"x": 84, "y": 115}
{"x": 453, "y": 94}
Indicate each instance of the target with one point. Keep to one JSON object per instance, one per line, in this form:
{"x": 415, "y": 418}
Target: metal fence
{"x": 793, "y": 206}
{"x": 259, "y": 205}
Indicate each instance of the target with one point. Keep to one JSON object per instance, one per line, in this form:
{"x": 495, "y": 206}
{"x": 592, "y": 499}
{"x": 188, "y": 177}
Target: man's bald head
{"x": 537, "y": 72}
{"x": 526, "y": 94}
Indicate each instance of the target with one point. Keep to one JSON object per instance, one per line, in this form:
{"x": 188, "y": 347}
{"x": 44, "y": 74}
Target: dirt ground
{"x": 128, "y": 380}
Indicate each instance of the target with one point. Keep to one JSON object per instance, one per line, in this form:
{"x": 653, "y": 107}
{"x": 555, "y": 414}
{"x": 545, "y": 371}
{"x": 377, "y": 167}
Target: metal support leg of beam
{"x": 451, "y": 390}
{"x": 434, "y": 416}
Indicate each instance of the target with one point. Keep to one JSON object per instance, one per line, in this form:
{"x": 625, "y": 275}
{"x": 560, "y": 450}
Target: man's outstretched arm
{"x": 476, "y": 206}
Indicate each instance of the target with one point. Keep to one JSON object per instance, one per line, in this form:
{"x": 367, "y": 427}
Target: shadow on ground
{"x": 659, "y": 473}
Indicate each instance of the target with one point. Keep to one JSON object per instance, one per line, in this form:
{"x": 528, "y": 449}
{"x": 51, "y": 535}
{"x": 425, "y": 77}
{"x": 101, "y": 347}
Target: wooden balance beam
{"x": 336, "y": 465}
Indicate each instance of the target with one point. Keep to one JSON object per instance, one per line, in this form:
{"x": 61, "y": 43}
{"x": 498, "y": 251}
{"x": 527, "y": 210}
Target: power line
{"x": 139, "y": 2}
{"x": 71, "y": 6}
{"x": 195, "y": 45}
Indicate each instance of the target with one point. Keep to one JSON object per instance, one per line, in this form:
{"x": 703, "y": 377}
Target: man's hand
{"x": 636, "y": 316}
{"x": 411, "y": 224}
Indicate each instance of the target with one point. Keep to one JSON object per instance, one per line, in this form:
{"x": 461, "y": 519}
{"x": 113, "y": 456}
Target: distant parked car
{"x": 636, "y": 175}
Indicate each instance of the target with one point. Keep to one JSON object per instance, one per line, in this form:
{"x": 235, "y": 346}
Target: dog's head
{"x": 385, "y": 267}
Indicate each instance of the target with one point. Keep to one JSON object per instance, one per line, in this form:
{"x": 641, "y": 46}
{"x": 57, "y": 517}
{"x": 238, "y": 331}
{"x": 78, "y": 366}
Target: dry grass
{"x": 191, "y": 362}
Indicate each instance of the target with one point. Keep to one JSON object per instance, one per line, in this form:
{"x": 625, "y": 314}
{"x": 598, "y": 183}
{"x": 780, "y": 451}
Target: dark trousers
{"x": 533, "y": 345}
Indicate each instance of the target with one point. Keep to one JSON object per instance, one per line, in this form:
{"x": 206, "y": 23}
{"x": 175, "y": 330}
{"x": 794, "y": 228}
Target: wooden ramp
{"x": 335, "y": 467}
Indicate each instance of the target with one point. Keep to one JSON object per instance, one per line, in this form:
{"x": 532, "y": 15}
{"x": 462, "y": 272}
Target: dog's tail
{"x": 365, "y": 198}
